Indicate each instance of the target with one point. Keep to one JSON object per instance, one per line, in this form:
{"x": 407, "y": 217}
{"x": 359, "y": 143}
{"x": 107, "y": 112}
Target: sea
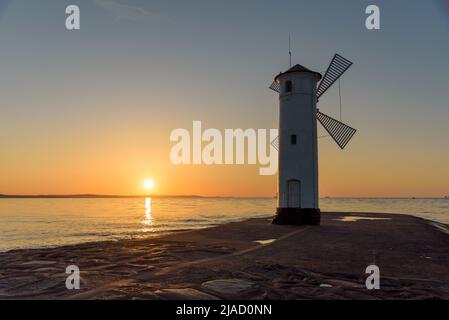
{"x": 51, "y": 222}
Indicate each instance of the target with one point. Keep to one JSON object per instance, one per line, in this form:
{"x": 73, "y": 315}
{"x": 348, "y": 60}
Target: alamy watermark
{"x": 73, "y": 280}
{"x": 372, "y": 22}
{"x": 231, "y": 147}
{"x": 372, "y": 282}
{"x": 73, "y": 17}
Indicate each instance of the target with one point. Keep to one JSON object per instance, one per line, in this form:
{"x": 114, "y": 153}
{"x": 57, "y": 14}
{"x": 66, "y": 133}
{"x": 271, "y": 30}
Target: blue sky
{"x": 171, "y": 62}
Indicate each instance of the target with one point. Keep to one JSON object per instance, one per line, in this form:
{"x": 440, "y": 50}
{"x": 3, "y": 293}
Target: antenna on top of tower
{"x": 289, "y": 50}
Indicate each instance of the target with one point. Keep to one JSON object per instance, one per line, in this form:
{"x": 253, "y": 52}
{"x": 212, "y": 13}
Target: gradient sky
{"x": 91, "y": 111}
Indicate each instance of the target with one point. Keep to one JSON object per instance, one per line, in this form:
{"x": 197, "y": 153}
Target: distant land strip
{"x": 106, "y": 196}
{"x": 84, "y": 196}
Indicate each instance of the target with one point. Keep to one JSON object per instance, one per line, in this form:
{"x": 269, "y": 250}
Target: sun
{"x": 148, "y": 184}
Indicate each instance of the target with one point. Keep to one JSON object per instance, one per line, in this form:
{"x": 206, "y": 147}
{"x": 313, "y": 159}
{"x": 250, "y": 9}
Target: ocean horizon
{"x": 39, "y": 222}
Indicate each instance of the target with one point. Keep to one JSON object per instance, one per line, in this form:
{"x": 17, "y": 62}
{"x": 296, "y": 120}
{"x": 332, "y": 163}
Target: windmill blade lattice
{"x": 339, "y": 131}
{"x": 275, "y": 143}
{"x": 337, "y": 67}
{"x": 275, "y": 86}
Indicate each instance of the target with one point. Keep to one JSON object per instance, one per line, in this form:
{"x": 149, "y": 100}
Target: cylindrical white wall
{"x": 298, "y": 164}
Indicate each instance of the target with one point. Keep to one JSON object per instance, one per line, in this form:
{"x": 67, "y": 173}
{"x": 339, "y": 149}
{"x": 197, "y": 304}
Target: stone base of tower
{"x": 297, "y": 216}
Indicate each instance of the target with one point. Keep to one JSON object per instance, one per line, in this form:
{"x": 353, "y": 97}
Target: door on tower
{"x": 294, "y": 194}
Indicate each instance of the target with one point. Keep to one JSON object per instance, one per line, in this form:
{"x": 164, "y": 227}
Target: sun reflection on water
{"x": 148, "y": 221}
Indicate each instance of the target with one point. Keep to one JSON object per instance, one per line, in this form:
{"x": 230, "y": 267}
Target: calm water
{"x": 31, "y": 223}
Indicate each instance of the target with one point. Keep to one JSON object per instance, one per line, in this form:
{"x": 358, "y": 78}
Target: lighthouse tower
{"x": 298, "y": 150}
{"x": 299, "y": 92}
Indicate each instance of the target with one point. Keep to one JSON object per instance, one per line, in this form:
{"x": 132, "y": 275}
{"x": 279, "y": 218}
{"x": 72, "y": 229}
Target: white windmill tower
{"x": 298, "y": 142}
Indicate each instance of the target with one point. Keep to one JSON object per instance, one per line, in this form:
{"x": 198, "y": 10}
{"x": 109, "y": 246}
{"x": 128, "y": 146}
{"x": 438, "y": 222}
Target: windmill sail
{"x": 275, "y": 143}
{"x": 275, "y": 86}
{"x": 339, "y": 131}
{"x": 337, "y": 67}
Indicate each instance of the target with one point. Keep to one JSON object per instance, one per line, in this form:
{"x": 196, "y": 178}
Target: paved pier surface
{"x": 246, "y": 260}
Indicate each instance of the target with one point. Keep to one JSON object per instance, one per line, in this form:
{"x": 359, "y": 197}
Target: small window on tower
{"x": 293, "y": 139}
{"x": 288, "y": 86}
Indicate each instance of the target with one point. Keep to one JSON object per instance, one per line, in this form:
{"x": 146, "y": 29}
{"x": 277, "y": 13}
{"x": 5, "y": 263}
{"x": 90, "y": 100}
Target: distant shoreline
{"x": 100, "y": 196}
{"x": 88, "y": 196}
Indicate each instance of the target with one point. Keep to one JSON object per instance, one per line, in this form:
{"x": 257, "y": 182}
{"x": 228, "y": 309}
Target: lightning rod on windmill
{"x": 289, "y": 51}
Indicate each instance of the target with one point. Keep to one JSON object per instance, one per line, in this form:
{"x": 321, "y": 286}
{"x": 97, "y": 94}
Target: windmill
{"x": 299, "y": 91}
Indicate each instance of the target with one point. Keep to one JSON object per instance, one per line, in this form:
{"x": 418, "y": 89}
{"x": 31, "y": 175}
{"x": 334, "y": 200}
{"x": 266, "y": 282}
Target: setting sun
{"x": 148, "y": 184}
